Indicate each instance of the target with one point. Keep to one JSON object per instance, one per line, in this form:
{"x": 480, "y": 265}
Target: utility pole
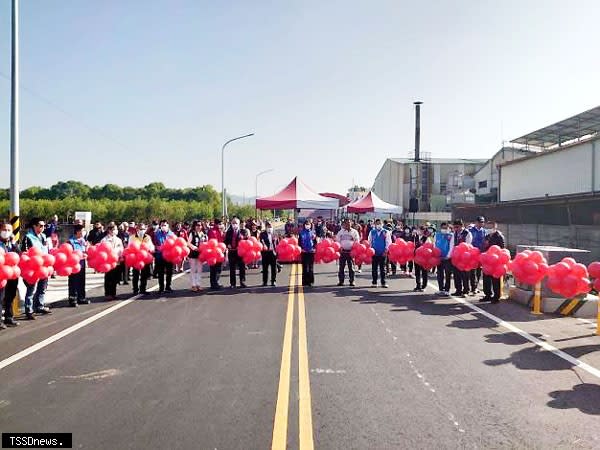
{"x": 14, "y": 121}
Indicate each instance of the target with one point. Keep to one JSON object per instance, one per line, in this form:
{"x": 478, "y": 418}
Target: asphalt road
{"x": 346, "y": 368}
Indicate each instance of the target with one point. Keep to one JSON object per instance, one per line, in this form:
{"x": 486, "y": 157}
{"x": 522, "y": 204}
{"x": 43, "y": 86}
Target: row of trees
{"x": 112, "y": 202}
{"x": 71, "y": 188}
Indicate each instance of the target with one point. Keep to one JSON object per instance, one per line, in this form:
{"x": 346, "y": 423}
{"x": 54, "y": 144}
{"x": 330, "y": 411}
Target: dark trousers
{"x": 77, "y": 284}
{"x": 235, "y": 262}
{"x": 8, "y": 294}
{"x": 308, "y": 265}
{"x": 421, "y": 276}
{"x": 461, "y": 281}
{"x": 491, "y": 287}
{"x": 124, "y": 278}
{"x": 111, "y": 279}
{"x": 444, "y": 275}
{"x": 269, "y": 261}
{"x": 164, "y": 270}
{"x": 474, "y": 278}
{"x": 215, "y": 274}
{"x": 378, "y": 263}
{"x": 346, "y": 258}
{"x": 407, "y": 267}
{"x": 140, "y": 279}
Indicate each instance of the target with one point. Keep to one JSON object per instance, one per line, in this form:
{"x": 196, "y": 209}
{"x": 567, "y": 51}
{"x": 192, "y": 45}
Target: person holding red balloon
{"x": 216, "y": 232}
{"x": 478, "y": 232}
{"x": 268, "y": 254}
{"x": 195, "y": 238}
{"x": 307, "y": 240}
{"x": 139, "y": 278}
{"x": 35, "y": 293}
{"x": 112, "y": 277}
{"x": 461, "y": 278}
{"x": 164, "y": 269}
{"x": 347, "y": 237}
{"x": 77, "y": 280}
{"x": 421, "y": 274}
{"x": 233, "y": 236}
{"x": 379, "y": 240}
{"x": 444, "y": 240}
{"x": 8, "y": 292}
{"x": 491, "y": 285}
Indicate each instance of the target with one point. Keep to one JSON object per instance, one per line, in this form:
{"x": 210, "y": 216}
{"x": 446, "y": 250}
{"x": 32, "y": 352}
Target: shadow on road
{"x": 585, "y": 397}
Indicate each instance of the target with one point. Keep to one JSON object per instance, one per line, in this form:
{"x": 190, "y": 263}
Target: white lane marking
{"x": 92, "y": 376}
{"x": 586, "y": 321}
{"x": 328, "y": 371}
{"x": 509, "y": 326}
{"x": 61, "y": 334}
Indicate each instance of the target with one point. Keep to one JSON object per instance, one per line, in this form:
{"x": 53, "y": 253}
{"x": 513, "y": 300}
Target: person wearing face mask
{"x": 379, "y": 240}
{"x": 461, "y": 278}
{"x": 96, "y": 234}
{"x": 164, "y": 269}
{"x": 478, "y": 233}
{"x": 445, "y": 242}
{"x": 491, "y": 285}
{"x": 397, "y": 233}
{"x": 112, "y": 277}
{"x": 35, "y": 294}
{"x": 181, "y": 232}
{"x": 123, "y": 234}
{"x": 8, "y": 292}
{"x": 195, "y": 238}
{"x": 140, "y": 278}
{"x": 421, "y": 275}
{"x": 233, "y": 236}
{"x": 77, "y": 280}
{"x": 269, "y": 255}
{"x": 216, "y": 232}
{"x": 347, "y": 237}
{"x": 307, "y": 240}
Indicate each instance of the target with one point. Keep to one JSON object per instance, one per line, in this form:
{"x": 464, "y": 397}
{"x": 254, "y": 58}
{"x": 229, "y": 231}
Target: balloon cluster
{"x": 362, "y": 253}
{"x": 138, "y": 255}
{"x": 401, "y": 252}
{"x": 594, "y": 272}
{"x": 327, "y": 251}
{"x": 66, "y": 260}
{"x": 495, "y": 261}
{"x": 175, "y": 250}
{"x": 568, "y": 278}
{"x": 288, "y": 250}
{"x": 102, "y": 257}
{"x": 9, "y": 267}
{"x": 428, "y": 256}
{"x": 529, "y": 267}
{"x": 35, "y": 265}
{"x": 465, "y": 257}
{"x": 212, "y": 252}
{"x": 249, "y": 250}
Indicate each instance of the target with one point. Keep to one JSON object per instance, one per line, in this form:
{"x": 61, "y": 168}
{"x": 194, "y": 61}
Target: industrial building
{"x": 566, "y": 163}
{"x": 436, "y": 182}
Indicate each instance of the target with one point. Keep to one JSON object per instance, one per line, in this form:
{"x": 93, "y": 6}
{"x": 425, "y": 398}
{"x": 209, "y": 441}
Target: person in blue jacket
{"x": 307, "y": 240}
{"x": 444, "y": 240}
{"x": 379, "y": 239}
{"x": 478, "y": 232}
{"x": 162, "y": 266}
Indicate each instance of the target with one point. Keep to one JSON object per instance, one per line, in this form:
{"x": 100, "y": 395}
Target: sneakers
{"x": 11, "y": 322}
{"x": 373, "y": 284}
{"x": 456, "y": 294}
{"x": 385, "y": 286}
{"x": 352, "y": 284}
{"x": 341, "y": 283}
{"x": 43, "y": 310}
{"x": 440, "y": 293}
{"x": 29, "y": 316}
{"x": 487, "y": 298}
{"x": 273, "y": 284}
{"x": 418, "y": 289}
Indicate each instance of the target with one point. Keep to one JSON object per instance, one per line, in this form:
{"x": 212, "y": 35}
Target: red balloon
{"x": 425, "y": 256}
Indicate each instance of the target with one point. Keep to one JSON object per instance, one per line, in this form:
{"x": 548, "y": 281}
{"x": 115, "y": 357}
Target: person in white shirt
{"x": 111, "y": 278}
{"x": 347, "y": 236}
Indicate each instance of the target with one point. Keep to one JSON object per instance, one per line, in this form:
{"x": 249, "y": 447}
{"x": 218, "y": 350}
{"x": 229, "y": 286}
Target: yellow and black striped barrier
{"x": 570, "y": 306}
{"x": 16, "y": 226}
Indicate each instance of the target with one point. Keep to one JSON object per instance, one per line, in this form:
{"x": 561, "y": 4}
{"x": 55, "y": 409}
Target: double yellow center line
{"x": 283, "y": 396}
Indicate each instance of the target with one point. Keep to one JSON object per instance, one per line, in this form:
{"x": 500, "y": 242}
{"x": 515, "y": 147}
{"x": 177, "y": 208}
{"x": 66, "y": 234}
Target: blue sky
{"x": 138, "y": 91}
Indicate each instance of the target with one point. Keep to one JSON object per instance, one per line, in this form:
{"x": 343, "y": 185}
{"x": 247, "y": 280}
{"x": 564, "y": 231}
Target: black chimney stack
{"x": 418, "y": 131}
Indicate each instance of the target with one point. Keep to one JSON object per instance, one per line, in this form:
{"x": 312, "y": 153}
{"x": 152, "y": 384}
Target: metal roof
{"x": 441, "y": 161}
{"x": 577, "y": 127}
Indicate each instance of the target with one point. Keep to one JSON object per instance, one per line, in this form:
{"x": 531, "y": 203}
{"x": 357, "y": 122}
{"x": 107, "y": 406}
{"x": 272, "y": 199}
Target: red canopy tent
{"x": 297, "y": 195}
{"x": 372, "y": 203}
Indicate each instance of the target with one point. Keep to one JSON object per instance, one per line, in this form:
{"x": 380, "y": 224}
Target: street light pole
{"x": 223, "y": 199}
{"x": 14, "y": 121}
{"x": 256, "y": 187}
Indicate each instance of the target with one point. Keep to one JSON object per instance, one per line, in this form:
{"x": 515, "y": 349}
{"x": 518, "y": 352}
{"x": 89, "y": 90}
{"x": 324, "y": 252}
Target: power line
{"x": 73, "y": 117}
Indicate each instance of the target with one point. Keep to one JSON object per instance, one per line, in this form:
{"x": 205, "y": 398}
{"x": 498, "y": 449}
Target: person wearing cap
{"x": 268, "y": 254}
{"x": 379, "y": 240}
{"x": 491, "y": 285}
{"x": 307, "y": 240}
{"x": 461, "y": 277}
{"x": 347, "y": 236}
{"x": 478, "y": 232}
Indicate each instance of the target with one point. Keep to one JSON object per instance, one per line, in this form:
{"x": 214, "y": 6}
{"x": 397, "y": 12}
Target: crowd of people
{"x": 379, "y": 234}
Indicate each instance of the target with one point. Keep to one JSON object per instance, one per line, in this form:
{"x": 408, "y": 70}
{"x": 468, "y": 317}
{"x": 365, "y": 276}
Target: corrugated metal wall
{"x": 564, "y": 172}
